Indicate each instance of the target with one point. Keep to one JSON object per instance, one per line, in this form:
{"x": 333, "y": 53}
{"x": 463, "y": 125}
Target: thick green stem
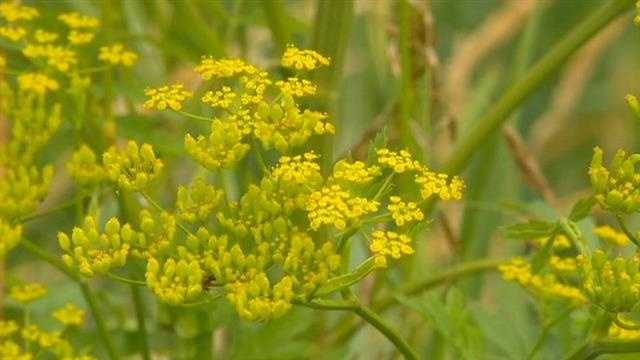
{"x": 593, "y": 350}
{"x": 522, "y": 89}
{"x": 88, "y": 295}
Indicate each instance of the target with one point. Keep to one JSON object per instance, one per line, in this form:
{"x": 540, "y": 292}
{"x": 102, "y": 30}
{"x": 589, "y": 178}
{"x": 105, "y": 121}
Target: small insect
{"x": 209, "y": 282}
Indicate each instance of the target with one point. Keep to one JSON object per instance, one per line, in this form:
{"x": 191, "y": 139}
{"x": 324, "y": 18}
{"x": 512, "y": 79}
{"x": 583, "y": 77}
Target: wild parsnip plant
{"x": 235, "y": 179}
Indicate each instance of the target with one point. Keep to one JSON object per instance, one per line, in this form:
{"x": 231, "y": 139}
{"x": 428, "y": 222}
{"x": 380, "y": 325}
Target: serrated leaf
{"x": 582, "y": 208}
{"x": 529, "y": 230}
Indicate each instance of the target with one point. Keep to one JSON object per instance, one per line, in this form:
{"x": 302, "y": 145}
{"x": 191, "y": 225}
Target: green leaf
{"x": 453, "y": 320}
{"x": 529, "y": 230}
{"x": 344, "y": 281}
{"x": 582, "y": 208}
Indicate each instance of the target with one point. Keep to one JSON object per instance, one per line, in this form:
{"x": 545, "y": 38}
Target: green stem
{"x": 142, "y": 327}
{"x": 88, "y": 295}
{"x": 367, "y": 315}
{"x": 379, "y": 323}
{"x": 594, "y": 349}
{"x": 522, "y": 89}
{"x": 275, "y": 14}
{"x": 344, "y": 332}
{"x": 545, "y": 331}
{"x": 194, "y": 116}
{"x": 624, "y": 228}
{"x": 126, "y": 280}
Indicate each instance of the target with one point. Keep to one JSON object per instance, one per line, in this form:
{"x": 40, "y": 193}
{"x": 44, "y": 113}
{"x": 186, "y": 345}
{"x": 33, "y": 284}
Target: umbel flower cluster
{"x": 581, "y": 274}
{"x": 24, "y": 341}
{"x": 281, "y": 241}
{"x": 30, "y": 101}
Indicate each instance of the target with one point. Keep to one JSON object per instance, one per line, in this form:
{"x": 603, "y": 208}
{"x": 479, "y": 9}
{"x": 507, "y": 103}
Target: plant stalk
{"x": 522, "y": 89}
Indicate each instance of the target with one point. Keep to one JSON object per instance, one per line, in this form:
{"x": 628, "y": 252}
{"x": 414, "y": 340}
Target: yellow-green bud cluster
{"x": 175, "y": 281}
{"x": 283, "y": 126}
{"x": 10, "y": 236}
{"x": 198, "y": 201}
{"x": 22, "y": 189}
{"x": 132, "y": 168}
{"x": 222, "y": 149}
{"x": 616, "y": 188}
{"x": 612, "y": 284}
{"x": 92, "y": 252}
{"x": 85, "y": 168}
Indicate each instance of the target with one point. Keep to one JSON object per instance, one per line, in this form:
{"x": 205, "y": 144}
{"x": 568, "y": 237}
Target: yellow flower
{"x": 332, "y": 205}
{"x": 43, "y": 36}
{"x": 57, "y": 56}
{"x": 171, "y": 96}
{"x": 402, "y": 212}
{"x": 28, "y": 292}
{"x": 546, "y": 286}
{"x": 303, "y": 59}
{"x": 75, "y": 20}
{"x": 442, "y": 185}
{"x": 385, "y": 244}
{"x": 70, "y": 315}
{"x": 223, "y": 68}
{"x": 84, "y": 167}
{"x": 355, "y": 172}
{"x": 78, "y": 38}
{"x": 7, "y": 328}
{"x": 37, "y": 83}
{"x": 13, "y": 33}
{"x": 117, "y": 54}
{"x": 13, "y": 11}
{"x": 610, "y": 234}
{"x": 297, "y": 87}
{"x": 3, "y": 62}
{"x": 221, "y": 98}
{"x": 619, "y": 333}
{"x": 398, "y": 162}
{"x": 10, "y": 236}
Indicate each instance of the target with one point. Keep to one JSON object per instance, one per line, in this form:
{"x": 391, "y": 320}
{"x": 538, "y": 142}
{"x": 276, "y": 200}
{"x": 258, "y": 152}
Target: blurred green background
{"x": 421, "y": 71}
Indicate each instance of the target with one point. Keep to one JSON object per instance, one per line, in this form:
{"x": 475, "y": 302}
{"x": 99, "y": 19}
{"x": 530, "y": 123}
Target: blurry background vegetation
{"x": 423, "y": 71}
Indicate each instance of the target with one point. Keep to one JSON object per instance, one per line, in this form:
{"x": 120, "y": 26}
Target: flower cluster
{"x": 132, "y": 168}
{"x": 115, "y": 54}
{"x": 612, "y": 284}
{"x": 404, "y": 213}
{"x": 250, "y": 108}
{"x": 171, "y": 96}
{"x": 275, "y": 242}
{"x": 334, "y": 206}
{"x": 28, "y": 292}
{"x": 617, "y": 188}
{"x": 611, "y": 235}
{"x": 389, "y": 244}
{"x": 430, "y": 182}
{"x": 545, "y": 286}
{"x": 303, "y": 59}
{"x": 92, "y": 252}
